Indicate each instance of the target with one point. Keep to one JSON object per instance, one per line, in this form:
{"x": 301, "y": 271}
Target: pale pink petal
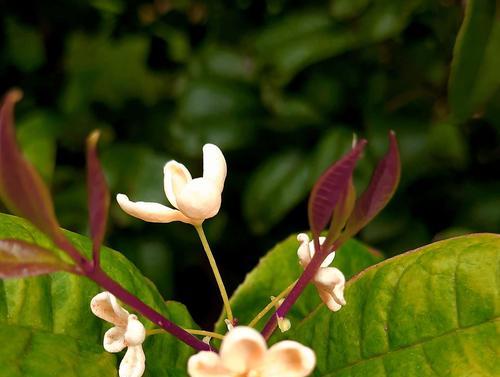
{"x": 175, "y": 177}
{"x": 133, "y": 363}
{"x": 303, "y": 252}
{"x": 114, "y": 339}
{"x": 207, "y": 364}
{"x": 152, "y": 212}
{"x": 328, "y": 278}
{"x": 306, "y": 251}
{"x": 214, "y": 165}
{"x": 199, "y": 199}
{"x": 328, "y": 260}
{"x": 136, "y": 333}
{"x": 288, "y": 359}
{"x": 338, "y": 293}
{"x": 243, "y": 349}
{"x": 105, "y": 306}
{"x": 328, "y": 299}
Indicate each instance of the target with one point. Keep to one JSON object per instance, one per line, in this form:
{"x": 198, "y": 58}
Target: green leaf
{"x": 218, "y": 111}
{"x": 48, "y": 318}
{"x": 36, "y": 134}
{"x": 475, "y": 76}
{"x": 429, "y": 312}
{"x": 109, "y": 71}
{"x": 303, "y": 38}
{"x": 275, "y": 188}
{"x": 279, "y": 268}
{"x": 25, "y": 47}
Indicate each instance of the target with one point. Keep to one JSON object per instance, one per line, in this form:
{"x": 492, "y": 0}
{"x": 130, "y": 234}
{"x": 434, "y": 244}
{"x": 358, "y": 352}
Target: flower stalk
{"x": 215, "y": 269}
{"x": 271, "y": 305}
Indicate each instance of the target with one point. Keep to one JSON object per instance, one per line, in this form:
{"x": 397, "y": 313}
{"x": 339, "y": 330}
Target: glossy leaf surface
{"x": 429, "y": 312}
{"x": 51, "y": 316}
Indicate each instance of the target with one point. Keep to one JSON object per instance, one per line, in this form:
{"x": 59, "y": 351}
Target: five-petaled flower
{"x": 127, "y": 332}
{"x": 329, "y": 281}
{"x": 194, "y": 199}
{"x": 244, "y": 353}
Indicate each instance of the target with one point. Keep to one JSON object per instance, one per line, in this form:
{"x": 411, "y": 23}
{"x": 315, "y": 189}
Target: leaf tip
{"x": 93, "y": 138}
{"x": 14, "y": 95}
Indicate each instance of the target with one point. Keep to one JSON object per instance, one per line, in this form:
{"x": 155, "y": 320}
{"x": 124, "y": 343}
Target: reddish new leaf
{"x": 21, "y": 188}
{"x": 98, "y": 195}
{"x": 382, "y": 186}
{"x": 21, "y": 259}
{"x": 341, "y": 214}
{"x": 331, "y": 188}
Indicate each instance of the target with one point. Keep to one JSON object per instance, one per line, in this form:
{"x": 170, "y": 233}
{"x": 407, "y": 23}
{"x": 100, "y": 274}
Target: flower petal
{"x": 105, "y": 306}
{"x": 114, "y": 339}
{"x": 214, "y": 165}
{"x": 328, "y": 278}
{"x": 175, "y": 177}
{"x": 207, "y": 364}
{"x": 329, "y": 300}
{"x": 136, "y": 333}
{"x": 133, "y": 363}
{"x": 328, "y": 260}
{"x": 306, "y": 251}
{"x": 200, "y": 199}
{"x": 152, "y": 212}
{"x": 288, "y": 359}
{"x": 243, "y": 349}
{"x": 303, "y": 252}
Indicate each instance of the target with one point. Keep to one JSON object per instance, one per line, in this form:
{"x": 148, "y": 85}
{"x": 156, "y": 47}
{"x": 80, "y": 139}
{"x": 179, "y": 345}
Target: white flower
{"x": 194, "y": 199}
{"x": 329, "y": 281}
{"x": 244, "y": 353}
{"x": 127, "y": 332}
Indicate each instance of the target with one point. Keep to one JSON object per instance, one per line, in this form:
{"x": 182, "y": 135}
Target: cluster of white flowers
{"x": 128, "y": 332}
{"x": 243, "y": 351}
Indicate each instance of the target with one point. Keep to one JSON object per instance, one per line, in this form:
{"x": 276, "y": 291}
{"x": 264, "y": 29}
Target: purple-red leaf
{"x": 382, "y": 186}
{"x": 21, "y": 188}
{"x": 21, "y": 259}
{"x": 98, "y": 195}
{"x": 331, "y": 188}
{"x": 341, "y": 214}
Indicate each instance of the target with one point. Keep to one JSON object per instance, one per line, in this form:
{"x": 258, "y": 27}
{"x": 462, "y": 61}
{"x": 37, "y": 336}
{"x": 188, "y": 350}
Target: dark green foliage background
{"x": 280, "y": 86}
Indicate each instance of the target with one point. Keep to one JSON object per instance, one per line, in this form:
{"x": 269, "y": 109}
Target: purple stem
{"x": 297, "y": 289}
{"x": 105, "y": 281}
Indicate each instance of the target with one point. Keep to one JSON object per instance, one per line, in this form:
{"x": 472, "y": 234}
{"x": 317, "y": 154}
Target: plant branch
{"x": 191, "y": 331}
{"x": 297, "y": 289}
{"x": 106, "y": 282}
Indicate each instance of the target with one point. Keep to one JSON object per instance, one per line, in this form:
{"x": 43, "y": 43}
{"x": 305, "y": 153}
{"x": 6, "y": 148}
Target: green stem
{"x": 218, "y": 279}
{"x": 191, "y": 331}
{"x": 271, "y": 305}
